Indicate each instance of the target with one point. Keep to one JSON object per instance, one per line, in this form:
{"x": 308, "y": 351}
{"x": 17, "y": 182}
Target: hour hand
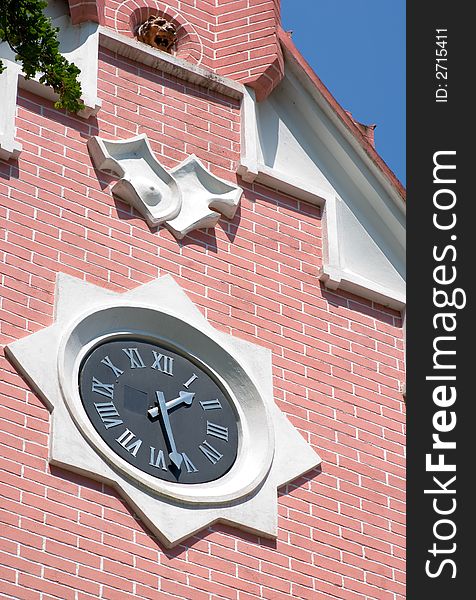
{"x": 183, "y": 398}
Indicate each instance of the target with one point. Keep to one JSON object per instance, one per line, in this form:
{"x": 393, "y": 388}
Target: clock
{"x": 178, "y": 417}
{"x": 159, "y": 410}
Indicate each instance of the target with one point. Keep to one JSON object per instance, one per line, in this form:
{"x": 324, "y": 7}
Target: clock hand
{"x": 174, "y": 456}
{"x": 183, "y": 398}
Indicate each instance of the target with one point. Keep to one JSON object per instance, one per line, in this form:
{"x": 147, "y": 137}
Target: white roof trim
{"x": 334, "y": 274}
{"x": 324, "y": 105}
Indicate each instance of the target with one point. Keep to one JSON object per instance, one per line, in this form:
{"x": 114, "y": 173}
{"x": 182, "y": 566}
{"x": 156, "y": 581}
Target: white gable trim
{"x": 334, "y": 273}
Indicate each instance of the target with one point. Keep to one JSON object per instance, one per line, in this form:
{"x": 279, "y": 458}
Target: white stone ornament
{"x": 271, "y": 452}
{"x": 204, "y": 197}
{"x": 144, "y": 183}
{"x": 185, "y": 198}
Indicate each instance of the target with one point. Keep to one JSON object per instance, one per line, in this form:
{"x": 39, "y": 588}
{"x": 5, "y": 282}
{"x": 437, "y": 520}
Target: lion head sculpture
{"x": 158, "y": 33}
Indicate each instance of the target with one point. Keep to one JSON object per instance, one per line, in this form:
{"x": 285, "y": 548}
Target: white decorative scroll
{"x": 185, "y": 198}
{"x": 204, "y": 197}
{"x": 144, "y": 183}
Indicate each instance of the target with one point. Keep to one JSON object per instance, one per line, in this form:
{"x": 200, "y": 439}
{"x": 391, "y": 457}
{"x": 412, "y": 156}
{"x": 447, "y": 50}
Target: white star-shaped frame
{"x": 271, "y": 451}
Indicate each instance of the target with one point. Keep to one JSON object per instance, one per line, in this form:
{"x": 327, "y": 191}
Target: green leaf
{"x": 31, "y": 35}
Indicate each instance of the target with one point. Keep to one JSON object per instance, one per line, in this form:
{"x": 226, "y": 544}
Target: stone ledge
{"x": 178, "y": 67}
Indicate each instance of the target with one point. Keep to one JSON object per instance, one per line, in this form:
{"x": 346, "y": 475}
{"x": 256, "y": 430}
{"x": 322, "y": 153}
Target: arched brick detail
{"x": 131, "y": 14}
{"x": 86, "y": 10}
{"x": 215, "y": 38}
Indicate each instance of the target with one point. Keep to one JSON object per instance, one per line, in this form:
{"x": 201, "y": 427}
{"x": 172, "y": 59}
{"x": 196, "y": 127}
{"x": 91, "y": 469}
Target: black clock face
{"x": 159, "y": 411}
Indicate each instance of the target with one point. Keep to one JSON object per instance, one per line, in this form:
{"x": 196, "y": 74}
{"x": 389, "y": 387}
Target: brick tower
{"x": 202, "y": 299}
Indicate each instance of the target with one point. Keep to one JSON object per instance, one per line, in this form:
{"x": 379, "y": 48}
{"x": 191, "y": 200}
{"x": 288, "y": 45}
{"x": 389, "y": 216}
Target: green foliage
{"x": 30, "y": 34}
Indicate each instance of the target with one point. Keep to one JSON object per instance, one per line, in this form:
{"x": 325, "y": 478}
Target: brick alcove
{"x": 131, "y": 14}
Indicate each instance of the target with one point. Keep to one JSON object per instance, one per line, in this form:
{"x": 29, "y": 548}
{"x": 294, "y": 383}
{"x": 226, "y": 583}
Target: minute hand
{"x": 174, "y": 456}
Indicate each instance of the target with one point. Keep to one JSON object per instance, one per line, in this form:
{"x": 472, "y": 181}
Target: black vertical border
{"x": 433, "y": 127}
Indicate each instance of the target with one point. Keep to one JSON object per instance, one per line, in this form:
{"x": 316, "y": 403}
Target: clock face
{"x": 159, "y": 411}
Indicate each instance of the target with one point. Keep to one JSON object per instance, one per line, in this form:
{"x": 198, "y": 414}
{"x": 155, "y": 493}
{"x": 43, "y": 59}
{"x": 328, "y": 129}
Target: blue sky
{"x": 357, "y": 48}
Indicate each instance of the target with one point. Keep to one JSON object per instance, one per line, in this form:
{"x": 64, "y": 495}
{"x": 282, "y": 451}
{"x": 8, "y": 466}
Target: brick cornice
{"x": 261, "y": 66}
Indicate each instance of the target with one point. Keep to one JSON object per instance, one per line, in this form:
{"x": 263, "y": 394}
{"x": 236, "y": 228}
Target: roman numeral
{"x": 217, "y": 431}
{"x": 107, "y": 411}
{"x": 105, "y": 389}
{"x": 159, "y": 460}
{"x": 107, "y": 361}
{"x": 125, "y": 440}
{"x": 135, "y": 358}
{"x": 210, "y": 452}
{"x": 191, "y": 468}
{"x": 190, "y": 381}
{"x": 210, "y": 404}
{"x": 163, "y": 363}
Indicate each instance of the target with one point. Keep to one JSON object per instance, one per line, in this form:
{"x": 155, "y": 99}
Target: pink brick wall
{"x": 338, "y": 363}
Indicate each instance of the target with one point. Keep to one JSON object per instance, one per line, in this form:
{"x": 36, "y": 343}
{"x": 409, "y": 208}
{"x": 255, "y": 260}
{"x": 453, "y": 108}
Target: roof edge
{"x": 346, "y": 120}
